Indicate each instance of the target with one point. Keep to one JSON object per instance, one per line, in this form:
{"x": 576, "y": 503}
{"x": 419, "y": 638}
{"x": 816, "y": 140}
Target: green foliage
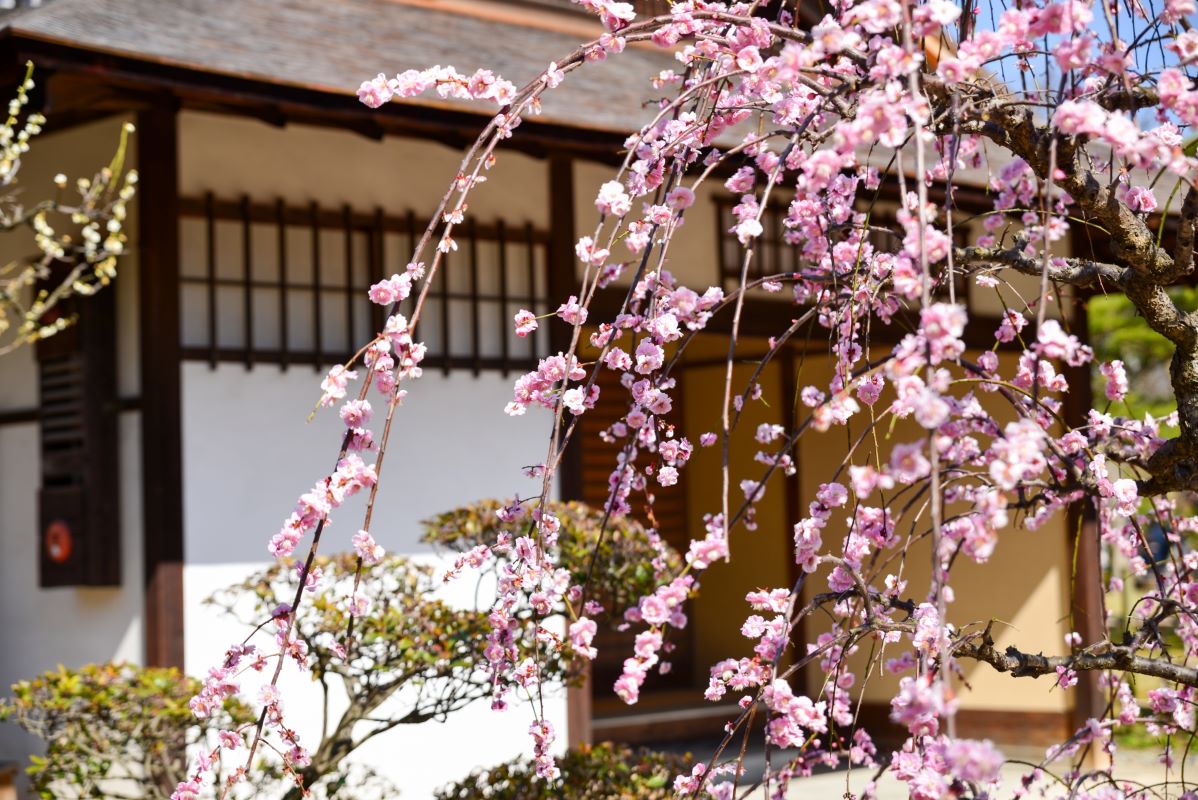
{"x": 628, "y": 560}
{"x": 601, "y": 772}
{"x": 112, "y": 730}
{"x": 1117, "y": 331}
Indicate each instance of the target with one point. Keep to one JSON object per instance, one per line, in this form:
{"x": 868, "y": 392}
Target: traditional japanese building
{"x": 169, "y": 431}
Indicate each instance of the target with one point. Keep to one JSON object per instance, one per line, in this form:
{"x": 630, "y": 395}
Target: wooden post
{"x": 161, "y": 425}
{"x": 1084, "y": 558}
{"x": 8, "y": 781}
{"x": 561, "y": 283}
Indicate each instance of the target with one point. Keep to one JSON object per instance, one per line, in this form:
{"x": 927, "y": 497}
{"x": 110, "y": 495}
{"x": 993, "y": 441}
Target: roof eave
{"x": 136, "y": 81}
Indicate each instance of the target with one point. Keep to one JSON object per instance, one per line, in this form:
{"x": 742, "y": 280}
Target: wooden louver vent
{"x": 670, "y": 510}
{"x": 79, "y": 526}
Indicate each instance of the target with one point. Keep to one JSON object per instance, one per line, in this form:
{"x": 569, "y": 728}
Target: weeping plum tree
{"x": 1076, "y": 115}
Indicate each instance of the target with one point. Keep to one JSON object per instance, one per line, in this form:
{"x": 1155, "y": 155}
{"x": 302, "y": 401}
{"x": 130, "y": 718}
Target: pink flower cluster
{"x": 448, "y": 82}
{"x": 314, "y": 506}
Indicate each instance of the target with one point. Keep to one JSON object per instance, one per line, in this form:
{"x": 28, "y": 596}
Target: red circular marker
{"x": 58, "y": 541}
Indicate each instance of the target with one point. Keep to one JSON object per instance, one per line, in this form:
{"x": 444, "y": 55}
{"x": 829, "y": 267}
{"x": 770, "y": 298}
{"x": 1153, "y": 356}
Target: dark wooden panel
{"x": 597, "y": 459}
{"x": 79, "y": 533}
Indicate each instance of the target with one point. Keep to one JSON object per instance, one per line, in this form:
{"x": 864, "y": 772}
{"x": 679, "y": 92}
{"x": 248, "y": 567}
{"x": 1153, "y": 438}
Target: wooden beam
{"x": 161, "y": 421}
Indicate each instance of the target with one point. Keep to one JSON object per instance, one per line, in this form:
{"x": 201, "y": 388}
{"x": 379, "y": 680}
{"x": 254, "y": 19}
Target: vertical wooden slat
{"x": 161, "y": 426}
{"x": 351, "y": 292}
{"x": 794, "y": 258}
{"x": 475, "y": 311}
{"x": 1084, "y": 550}
{"x": 776, "y": 238}
{"x": 210, "y": 244}
{"x": 531, "y": 243}
{"x": 375, "y": 266}
{"x": 281, "y": 214}
{"x": 247, "y": 280}
{"x": 794, "y": 497}
{"x": 410, "y": 224}
{"x": 504, "y": 319}
{"x": 444, "y": 279}
{"x": 316, "y": 332}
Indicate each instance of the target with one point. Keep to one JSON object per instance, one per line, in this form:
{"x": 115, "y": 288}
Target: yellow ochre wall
{"x": 1024, "y": 586}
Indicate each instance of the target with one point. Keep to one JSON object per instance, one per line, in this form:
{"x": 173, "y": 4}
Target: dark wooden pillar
{"x": 1086, "y": 590}
{"x": 562, "y": 282}
{"x": 161, "y": 420}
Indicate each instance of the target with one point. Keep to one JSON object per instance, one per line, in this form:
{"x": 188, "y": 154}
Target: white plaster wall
{"x": 230, "y": 155}
{"x": 248, "y": 454}
{"x": 41, "y": 628}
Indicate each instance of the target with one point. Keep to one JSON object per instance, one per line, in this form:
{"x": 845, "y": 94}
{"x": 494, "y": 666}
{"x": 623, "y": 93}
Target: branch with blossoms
{"x": 809, "y": 119}
{"x": 78, "y": 241}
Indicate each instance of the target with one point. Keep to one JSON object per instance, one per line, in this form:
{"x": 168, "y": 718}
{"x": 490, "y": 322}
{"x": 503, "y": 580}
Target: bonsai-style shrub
{"x": 375, "y": 625}
{"x": 113, "y": 730}
{"x": 598, "y": 772}
{"x": 616, "y": 557}
{"x": 389, "y": 634}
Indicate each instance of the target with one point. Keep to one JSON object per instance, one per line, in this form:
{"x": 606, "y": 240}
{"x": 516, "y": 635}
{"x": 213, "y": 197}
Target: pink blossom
{"x": 526, "y": 322}
{"x": 747, "y": 230}
{"x": 367, "y": 549}
{"x": 749, "y": 59}
{"x": 355, "y": 413}
{"x": 1140, "y": 199}
{"x": 391, "y": 290}
{"x": 649, "y": 357}
{"x": 582, "y": 633}
{"x": 974, "y": 761}
{"x": 335, "y": 383}
{"x": 1116, "y": 379}
{"x": 1126, "y": 495}
{"x": 572, "y": 312}
{"x": 680, "y": 198}
{"x": 374, "y": 93}
{"x": 588, "y": 253}
{"x": 613, "y": 199}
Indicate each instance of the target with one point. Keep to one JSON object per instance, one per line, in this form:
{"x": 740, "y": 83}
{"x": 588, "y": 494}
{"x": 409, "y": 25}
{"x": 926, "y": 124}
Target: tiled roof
{"x": 332, "y": 45}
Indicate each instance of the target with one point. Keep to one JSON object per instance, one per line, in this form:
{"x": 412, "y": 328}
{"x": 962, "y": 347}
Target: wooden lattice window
{"x": 774, "y": 256}
{"x": 287, "y": 284}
